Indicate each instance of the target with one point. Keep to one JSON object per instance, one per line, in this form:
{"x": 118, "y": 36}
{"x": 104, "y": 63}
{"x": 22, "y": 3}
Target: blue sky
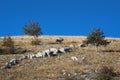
{"x": 61, "y": 17}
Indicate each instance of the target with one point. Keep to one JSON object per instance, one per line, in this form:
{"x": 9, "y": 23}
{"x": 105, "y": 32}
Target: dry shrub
{"x": 8, "y": 44}
{"x": 106, "y": 73}
{"x": 35, "y": 42}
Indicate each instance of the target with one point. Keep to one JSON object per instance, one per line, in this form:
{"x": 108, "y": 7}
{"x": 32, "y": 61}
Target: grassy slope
{"x": 52, "y": 67}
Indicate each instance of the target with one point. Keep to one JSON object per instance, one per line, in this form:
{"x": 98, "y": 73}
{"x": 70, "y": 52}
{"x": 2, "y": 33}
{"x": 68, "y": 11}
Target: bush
{"x": 106, "y": 73}
{"x": 9, "y": 50}
{"x": 73, "y": 42}
{"x": 1, "y": 50}
{"x": 35, "y": 42}
{"x": 105, "y": 77}
{"x": 8, "y": 44}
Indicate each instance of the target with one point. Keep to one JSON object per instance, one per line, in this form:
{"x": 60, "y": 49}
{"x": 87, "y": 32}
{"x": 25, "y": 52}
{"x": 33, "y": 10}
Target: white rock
{"x": 13, "y": 62}
{"x": 61, "y": 50}
{"x": 71, "y": 46}
{"x": 46, "y": 53}
{"x": 53, "y": 51}
{"x": 38, "y": 55}
{"x": 74, "y": 58}
{"x": 64, "y": 50}
{"x": 31, "y": 56}
{"x": 81, "y": 45}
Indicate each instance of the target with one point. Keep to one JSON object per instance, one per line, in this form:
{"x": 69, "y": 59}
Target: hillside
{"x": 60, "y": 67}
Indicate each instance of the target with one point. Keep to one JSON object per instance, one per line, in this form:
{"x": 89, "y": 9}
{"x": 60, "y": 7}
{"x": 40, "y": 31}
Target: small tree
{"x": 96, "y": 37}
{"x": 8, "y": 44}
{"x": 32, "y": 29}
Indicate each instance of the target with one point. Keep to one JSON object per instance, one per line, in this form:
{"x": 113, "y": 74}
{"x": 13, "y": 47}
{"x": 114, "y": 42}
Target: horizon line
{"x": 60, "y": 36}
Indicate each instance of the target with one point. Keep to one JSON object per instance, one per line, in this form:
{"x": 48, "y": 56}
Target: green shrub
{"x": 73, "y": 42}
{"x": 105, "y": 77}
{"x": 35, "y": 42}
{"x": 8, "y": 44}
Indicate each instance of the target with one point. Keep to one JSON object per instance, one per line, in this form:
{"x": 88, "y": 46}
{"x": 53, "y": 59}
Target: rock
{"x": 82, "y": 45}
{"x": 60, "y": 79}
{"x": 69, "y": 75}
{"x": 71, "y": 46}
{"x": 75, "y": 74}
{"x": 63, "y": 72}
{"x": 46, "y": 53}
{"x": 87, "y": 71}
{"x": 47, "y": 79}
{"x": 53, "y": 51}
{"x": 64, "y": 50}
{"x": 67, "y": 49}
{"x": 82, "y": 60}
{"x": 74, "y": 58}
{"x": 31, "y": 56}
{"x": 39, "y": 55}
{"x": 13, "y": 61}
{"x": 61, "y": 50}
{"x": 90, "y": 45}
{"x": 7, "y": 65}
{"x": 2, "y": 67}
{"x": 24, "y": 57}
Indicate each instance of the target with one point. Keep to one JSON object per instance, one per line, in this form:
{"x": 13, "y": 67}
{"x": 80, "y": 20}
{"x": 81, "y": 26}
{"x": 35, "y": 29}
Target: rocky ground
{"x": 82, "y": 63}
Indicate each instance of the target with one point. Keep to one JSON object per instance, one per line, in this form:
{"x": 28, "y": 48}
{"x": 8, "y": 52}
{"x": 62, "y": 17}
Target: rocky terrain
{"x": 66, "y": 61}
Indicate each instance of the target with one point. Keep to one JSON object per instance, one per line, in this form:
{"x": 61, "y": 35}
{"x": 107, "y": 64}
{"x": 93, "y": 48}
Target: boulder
{"x": 64, "y": 50}
{"x": 24, "y": 57}
{"x": 13, "y": 61}
{"x": 7, "y": 65}
{"x": 53, "y": 51}
{"x": 46, "y": 53}
{"x": 31, "y": 56}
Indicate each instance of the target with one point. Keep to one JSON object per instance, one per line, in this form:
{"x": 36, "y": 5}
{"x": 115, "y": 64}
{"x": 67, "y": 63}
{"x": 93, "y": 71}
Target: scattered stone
{"x": 46, "y": 53}
{"x": 14, "y": 62}
{"x": 71, "y": 46}
{"x": 90, "y": 45}
{"x": 82, "y": 45}
{"x": 64, "y": 50}
{"x": 74, "y": 58}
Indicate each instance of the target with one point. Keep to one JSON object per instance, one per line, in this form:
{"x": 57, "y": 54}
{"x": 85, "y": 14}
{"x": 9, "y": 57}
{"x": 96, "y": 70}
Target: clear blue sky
{"x": 61, "y": 17}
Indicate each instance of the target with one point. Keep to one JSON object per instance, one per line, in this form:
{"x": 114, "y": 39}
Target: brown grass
{"x": 52, "y": 67}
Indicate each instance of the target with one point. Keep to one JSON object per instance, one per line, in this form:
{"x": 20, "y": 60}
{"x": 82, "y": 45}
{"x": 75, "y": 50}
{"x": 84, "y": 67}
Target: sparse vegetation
{"x": 35, "y": 42}
{"x": 52, "y": 67}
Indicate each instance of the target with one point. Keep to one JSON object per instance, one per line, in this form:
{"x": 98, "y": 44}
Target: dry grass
{"x": 52, "y": 67}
